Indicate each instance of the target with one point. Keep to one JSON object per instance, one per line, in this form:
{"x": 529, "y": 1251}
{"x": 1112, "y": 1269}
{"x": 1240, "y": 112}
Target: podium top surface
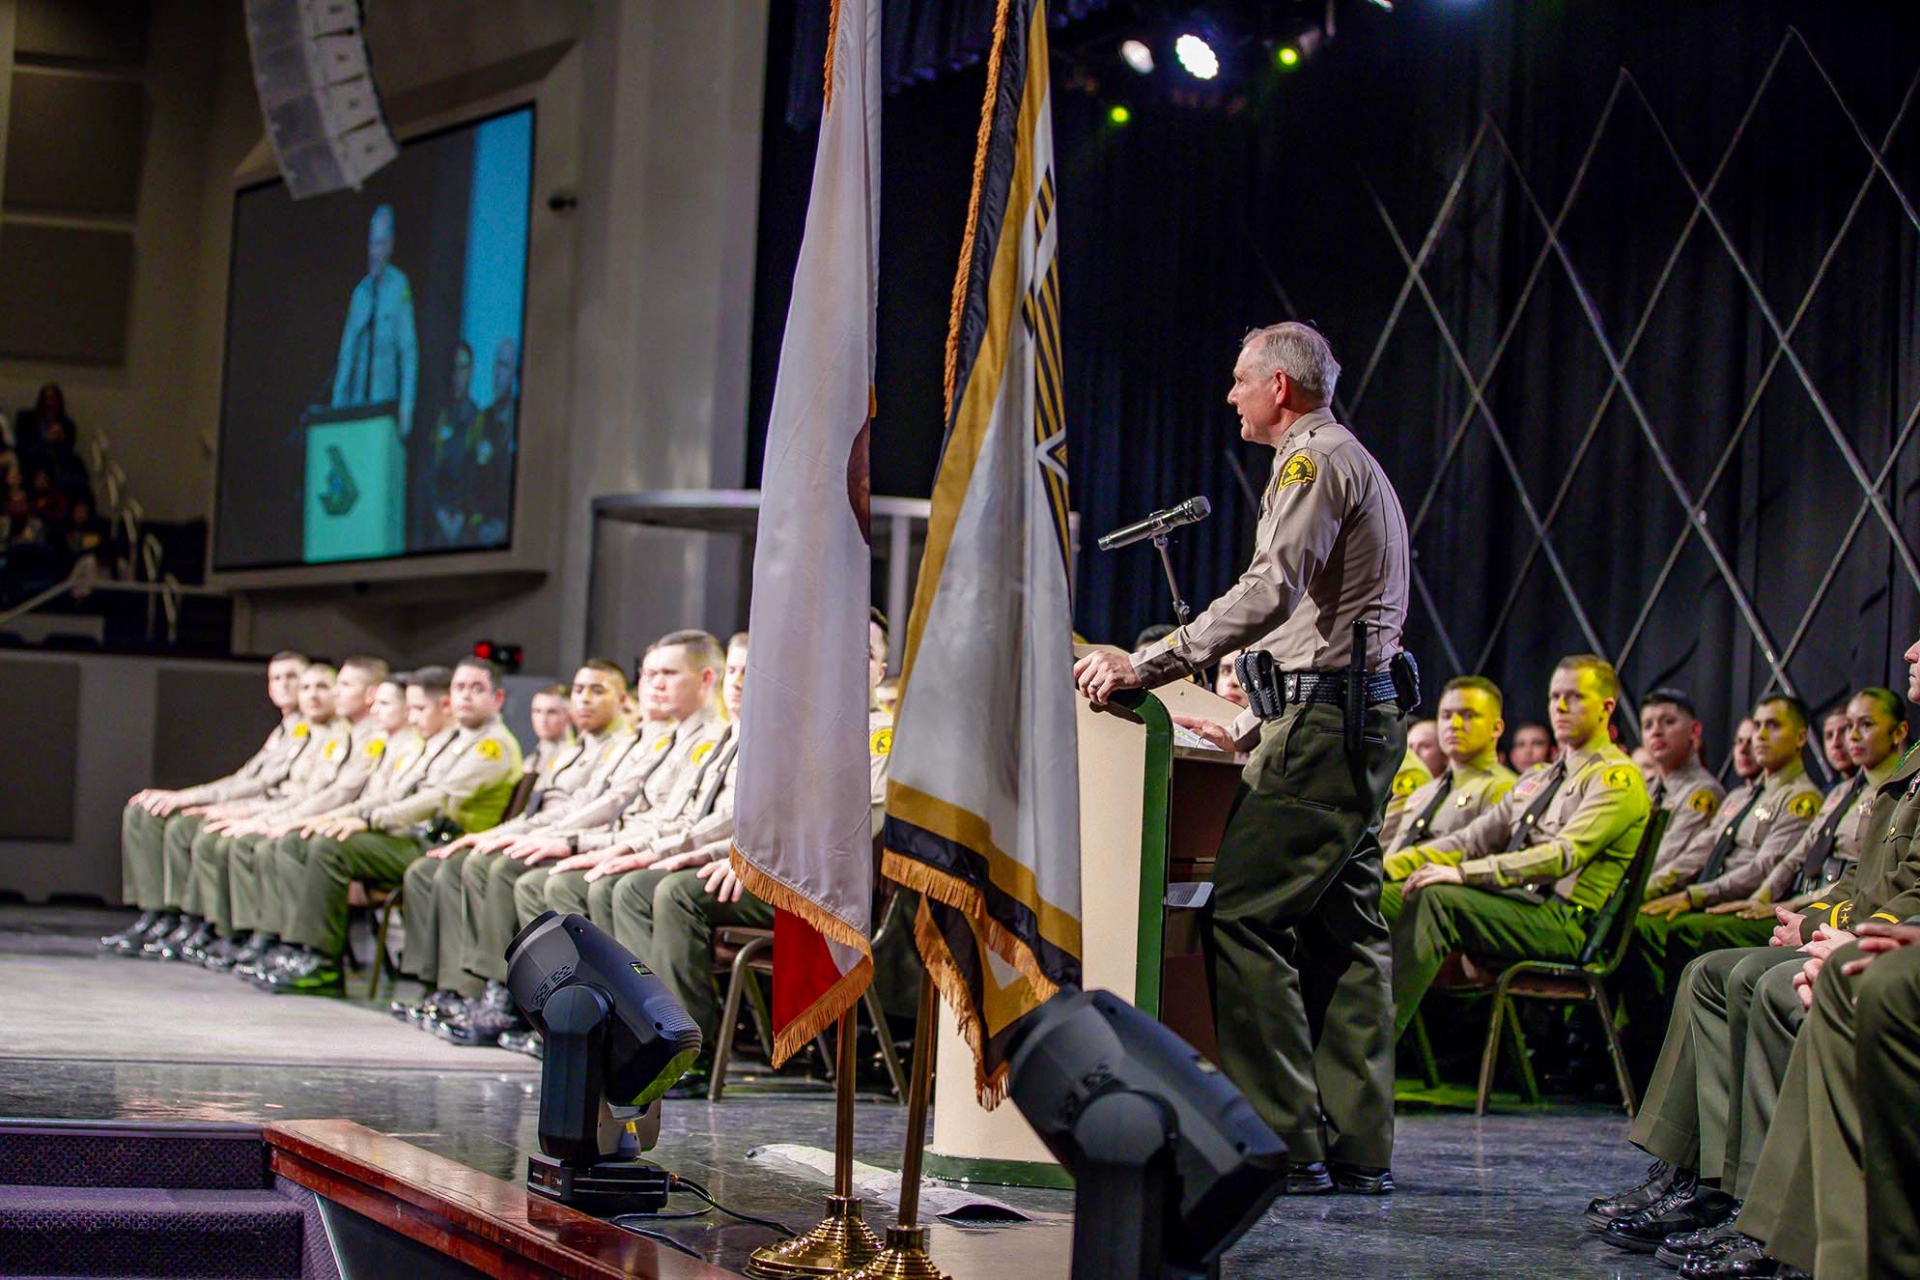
{"x": 723, "y": 510}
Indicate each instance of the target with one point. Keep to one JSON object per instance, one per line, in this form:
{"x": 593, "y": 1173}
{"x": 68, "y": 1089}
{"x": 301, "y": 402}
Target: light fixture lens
{"x": 1136, "y": 55}
{"x": 1118, "y": 114}
{"x": 1287, "y": 56}
{"x": 1196, "y": 57}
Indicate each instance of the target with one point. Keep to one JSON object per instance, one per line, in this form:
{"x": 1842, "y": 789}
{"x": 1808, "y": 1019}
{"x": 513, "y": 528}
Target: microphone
{"x": 1192, "y": 511}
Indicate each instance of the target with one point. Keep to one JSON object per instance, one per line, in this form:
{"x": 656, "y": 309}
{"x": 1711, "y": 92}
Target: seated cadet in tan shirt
{"x": 1470, "y": 783}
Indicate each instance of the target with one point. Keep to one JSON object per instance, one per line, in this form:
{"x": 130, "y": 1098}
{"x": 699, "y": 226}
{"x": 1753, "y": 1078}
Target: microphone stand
{"x": 1180, "y": 609}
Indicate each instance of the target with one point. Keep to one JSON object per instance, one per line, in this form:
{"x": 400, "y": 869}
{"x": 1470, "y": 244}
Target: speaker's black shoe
{"x": 1361, "y": 1180}
{"x": 1675, "y": 1250}
{"x": 1674, "y": 1214}
{"x": 1308, "y": 1178}
{"x": 1624, "y": 1204}
{"x": 484, "y": 1020}
{"x": 128, "y": 940}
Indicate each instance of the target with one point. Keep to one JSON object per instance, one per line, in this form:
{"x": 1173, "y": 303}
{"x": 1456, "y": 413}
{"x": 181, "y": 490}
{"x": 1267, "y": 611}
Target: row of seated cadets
{"x": 1783, "y": 1142}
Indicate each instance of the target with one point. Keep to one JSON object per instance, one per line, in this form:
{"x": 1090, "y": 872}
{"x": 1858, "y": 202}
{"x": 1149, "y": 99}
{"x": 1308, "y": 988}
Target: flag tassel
{"x": 812, "y": 1022}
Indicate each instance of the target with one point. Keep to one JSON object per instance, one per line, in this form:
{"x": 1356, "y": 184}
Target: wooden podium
{"x": 1151, "y": 817}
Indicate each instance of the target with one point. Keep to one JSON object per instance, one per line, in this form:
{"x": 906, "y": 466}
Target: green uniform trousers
{"x": 1692, "y": 1115}
{"x": 177, "y": 855}
{"x": 667, "y": 919}
{"x": 1662, "y": 948}
{"x": 282, "y": 879}
{"x": 566, "y": 892}
{"x": 1297, "y": 954}
{"x": 487, "y": 883}
{"x": 1441, "y": 919}
{"x": 142, "y": 866}
{"x": 318, "y": 917}
{"x": 1393, "y": 896}
{"x": 436, "y": 935}
{"x": 1834, "y": 1188}
{"x": 211, "y": 868}
{"x": 250, "y": 882}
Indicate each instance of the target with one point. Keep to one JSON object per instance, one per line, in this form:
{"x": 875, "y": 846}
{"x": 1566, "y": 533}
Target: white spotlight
{"x": 1136, "y": 55}
{"x": 1197, "y": 57}
{"x": 1385, "y": 4}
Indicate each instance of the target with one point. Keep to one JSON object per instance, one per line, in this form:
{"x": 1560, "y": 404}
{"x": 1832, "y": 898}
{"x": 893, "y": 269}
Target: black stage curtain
{"x": 1188, "y": 226}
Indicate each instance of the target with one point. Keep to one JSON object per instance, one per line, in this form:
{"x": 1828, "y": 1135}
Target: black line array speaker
{"x": 316, "y": 90}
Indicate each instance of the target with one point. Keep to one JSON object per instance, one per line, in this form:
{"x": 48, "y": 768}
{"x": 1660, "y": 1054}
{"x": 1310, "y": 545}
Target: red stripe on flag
{"x": 803, "y": 968}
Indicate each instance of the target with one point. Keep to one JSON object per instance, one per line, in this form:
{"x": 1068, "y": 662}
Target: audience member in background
{"x": 20, "y": 526}
{"x": 1833, "y": 745}
{"x": 1767, "y": 826}
{"x": 1423, "y": 739}
{"x": 1567, "y": 833}
{"x": 88, "y": 533}
{"x": 886, "y": 696}
{"x": 1471, "y": 784}
{"x": 461, "y": 783}
{"x": 551, "y": 712}
{"x": 1643, "y": 761}
{"x": 152, "y": 817}
{"x": 1533, "y": 747}
{"x": 48, "y": 416}
{"x": 1226, "y": 683}
{"x": 1671, "y": 732}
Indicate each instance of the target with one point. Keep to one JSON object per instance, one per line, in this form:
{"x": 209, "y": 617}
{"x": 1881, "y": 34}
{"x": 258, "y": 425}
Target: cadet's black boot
{"x": 167, "y": 946}
{"x": 483, "y": 1021}
{"x": 271, "y": 961}
{"x": 1686, "y": 1208}
{"x": 527, "y": 1042}
{"x": 1361, "y": 1180}
{"x": 194, "y": 949}
{"x": 128, "y": 940}
{"x": 249, "y": 952}
{"x": 1748, "y": 1261}
{"x": 1610, "y": 1209}
{"x": 308, "y": 973}
{"x": 1308, "y": 1178}
{"x": 1675, "y": 1250}
{"x": 220, "y": 956}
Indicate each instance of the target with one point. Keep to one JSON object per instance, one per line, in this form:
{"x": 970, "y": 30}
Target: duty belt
{"x": 1315, "y": 686}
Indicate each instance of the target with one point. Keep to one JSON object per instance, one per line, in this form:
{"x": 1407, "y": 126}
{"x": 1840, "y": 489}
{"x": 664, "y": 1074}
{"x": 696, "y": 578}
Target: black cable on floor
{"x": 659, "y": 1237}
{"x": 695, "y": 1188}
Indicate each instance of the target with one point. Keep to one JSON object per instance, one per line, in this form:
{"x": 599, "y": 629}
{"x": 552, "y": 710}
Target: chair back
{"x": 1612, "y": 929}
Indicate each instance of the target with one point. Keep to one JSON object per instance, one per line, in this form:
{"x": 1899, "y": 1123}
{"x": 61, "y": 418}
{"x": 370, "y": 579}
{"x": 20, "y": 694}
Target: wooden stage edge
{"x": 493, "y": 1226}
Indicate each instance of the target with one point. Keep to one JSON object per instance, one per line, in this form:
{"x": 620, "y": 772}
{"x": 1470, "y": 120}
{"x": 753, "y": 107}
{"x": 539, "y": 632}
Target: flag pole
{"x": 906, "y": 1256}
{"x": 842, "y": 1240}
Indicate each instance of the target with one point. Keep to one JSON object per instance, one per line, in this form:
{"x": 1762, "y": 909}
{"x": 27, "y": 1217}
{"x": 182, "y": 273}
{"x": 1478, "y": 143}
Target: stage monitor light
{"x": 1170, "y": 1163}
{"x": 1137, "y": 55}
{"x": 1118, "y": 114}
{"x": 615, "y": 1041}
{"x": 1196, "y": 57}
{"x": 1287, "y": 57}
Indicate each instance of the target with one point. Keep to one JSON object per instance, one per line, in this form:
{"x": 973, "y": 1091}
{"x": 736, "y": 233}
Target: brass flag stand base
{"x": 906, "y": 1256}
{"x": 842, "y": 1240}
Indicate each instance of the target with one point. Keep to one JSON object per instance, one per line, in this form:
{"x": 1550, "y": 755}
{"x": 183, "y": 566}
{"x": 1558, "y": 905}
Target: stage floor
{"x": 1493, "y": 1197}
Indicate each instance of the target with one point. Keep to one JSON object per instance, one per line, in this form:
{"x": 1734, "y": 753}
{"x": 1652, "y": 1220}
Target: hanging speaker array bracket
{"x": 317, "y": 93}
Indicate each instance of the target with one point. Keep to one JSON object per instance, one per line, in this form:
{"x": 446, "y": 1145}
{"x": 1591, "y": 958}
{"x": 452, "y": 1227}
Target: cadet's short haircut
{"x": 496, "y": 678}
{"x": 289, "y": 655}
{"x": 1796, "y": 710}
{"x": 1887, "y": 701}
{"x": 327, "y": 667}
{"x": 1668, "y": 696}
{"x": 551, "y": 691}
{"x": 702, "y": 649}
{"x": 606, "y": 668}
{"x": 1299, "y": 351}
{"x": 738, "y": 640}
{"x": 1609, "y": 678}
{"x": 437, "y": 681}
{"x": 374, "y": 669}
{"x": 1149, "y": 635}
{"x": 1481, "y": 683}
{"x": 400, "y": 678}
{"x": 879, "y": 620}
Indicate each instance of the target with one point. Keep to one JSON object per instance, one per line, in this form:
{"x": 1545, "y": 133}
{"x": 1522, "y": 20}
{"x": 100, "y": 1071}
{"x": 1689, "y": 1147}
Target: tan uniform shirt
{"x": 1469, "y": 790}
{"x": 1769, "y": 832}
{"x": 579, "y": 771}
{"x": 1412, "y": 776}
{"x": 312, "y": 768}
{"x": 1581, "y": 843}
{"x": 362, "y": 750}
{"x": 695, "y": 739}
{"x": 1695, "y": 799}
{"x": 455, "y": 766}
{"x": 1330, "y": 550}
{"x": 546, "y": 753}
{"x": 601, "y": 801}
{"x": 1850, "y": 800}
{"x": 262, "y": 772}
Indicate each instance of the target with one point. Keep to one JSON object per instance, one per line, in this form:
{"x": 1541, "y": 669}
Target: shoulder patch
{"x": 1618, "y": 778}
{"x": 489, "y": 748}
{"x": 1528, "y": 784}
{"x": 1407, "y": 781}
{"x": 301, "y": 730}
{"x": 1299, "y": 469}
{"x": 1804, "y": 805}
{"x": 881, "y": 743}
{"x": 332, "y": 748}
{"x": 701, "y": 752}
{"x": 377, "y": 748}
{"x": 1703, "y": 801}
{"x": 662, "y": 742}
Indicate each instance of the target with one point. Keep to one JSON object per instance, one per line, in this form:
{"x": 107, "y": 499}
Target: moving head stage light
{"x": 1170, "y": 1163}
{"x": 616, "y": 1041}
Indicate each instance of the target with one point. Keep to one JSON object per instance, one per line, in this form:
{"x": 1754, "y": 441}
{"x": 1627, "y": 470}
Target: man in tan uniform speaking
{"x": 1297, "y": 952}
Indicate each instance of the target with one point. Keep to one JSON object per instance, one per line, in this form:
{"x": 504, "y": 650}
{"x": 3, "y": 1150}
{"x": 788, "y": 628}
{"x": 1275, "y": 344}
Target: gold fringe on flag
{"x": 843, "y": 994}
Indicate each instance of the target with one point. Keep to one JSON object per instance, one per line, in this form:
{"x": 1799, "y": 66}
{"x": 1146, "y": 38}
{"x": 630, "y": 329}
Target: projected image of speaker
{"x": 317, "y": 92}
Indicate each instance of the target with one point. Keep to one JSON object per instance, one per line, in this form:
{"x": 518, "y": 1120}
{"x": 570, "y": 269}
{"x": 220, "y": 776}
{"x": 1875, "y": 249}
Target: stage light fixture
{"x": 1137, "y": 55}
{"x": 615, "y": 1041}
{"x": 1196, "y": 57}
{"x": 1118, "y": 114}
{"x": 1286, "y": 57}
{"x": 1385, "y": 4}
{"x": 1170, "y": 1163}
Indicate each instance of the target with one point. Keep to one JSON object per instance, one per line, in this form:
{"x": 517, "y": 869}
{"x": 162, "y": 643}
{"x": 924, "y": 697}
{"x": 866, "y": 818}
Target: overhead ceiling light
{"x": 1196, "y": 57}
{"x": 1136, "y": 55}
